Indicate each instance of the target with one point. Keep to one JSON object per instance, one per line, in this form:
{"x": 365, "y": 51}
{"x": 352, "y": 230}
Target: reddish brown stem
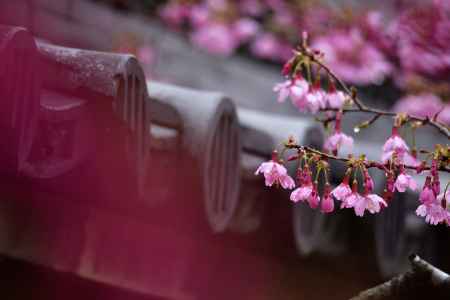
{"x": 367, "y": 163}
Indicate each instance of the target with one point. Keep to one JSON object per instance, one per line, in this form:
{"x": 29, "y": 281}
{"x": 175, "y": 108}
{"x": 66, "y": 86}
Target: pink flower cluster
{"x": 268, "y": 28}
{"x": 307, "y": 190}
{"x": 363, "y": 49}
{"x": 350, "y": 198}
{"x": 217, "y": 35}
{"x": 422, "y": 35}
{"x": 433, "y": 205}
{"x": 308, "y": 97}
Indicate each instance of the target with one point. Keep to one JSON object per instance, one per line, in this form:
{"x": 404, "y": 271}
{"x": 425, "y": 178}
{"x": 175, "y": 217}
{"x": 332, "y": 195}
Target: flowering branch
{"x": 397, "y": 158}
{"x": 367, "y": 163}
{"x": 316, "y": 57}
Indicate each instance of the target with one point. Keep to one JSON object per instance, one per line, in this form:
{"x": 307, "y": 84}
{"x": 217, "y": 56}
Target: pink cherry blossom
{"x": 368, "y": 182}
{"x": 327, "y": 203}
{"x": 351, "y": 200}
{"x": 283, "y": 89}
{"x": 370, "y": 202}
{"x": 335, "y": 99}
{"x": 307, "y": 190}
{"x": 275, "y": 173}
{"x": 395, "y": 143}
{"x": 337, "y": 140}
{"x": 334, "y": 142}
{"x": 427, "y": 196}
{"x": 295, "y": 88}
{"x": 313, "y": 199}
{"x": 343, "y": 190}
{"x": 422, "y": 39}
{"x": 434, "y": 213}
{"x": 405, "y": 181}
{"x": 302, "y": 193}
{"x": 314, "y": 100}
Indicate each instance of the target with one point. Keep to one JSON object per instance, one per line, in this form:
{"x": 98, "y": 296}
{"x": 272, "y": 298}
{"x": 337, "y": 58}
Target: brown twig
{"x": 361, "y": 107}
{"x": 367, "y": 163}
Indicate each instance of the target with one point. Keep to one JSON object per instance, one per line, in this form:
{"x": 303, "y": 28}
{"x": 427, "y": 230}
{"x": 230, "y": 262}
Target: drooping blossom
{"x": 432, "y": 208}
{"x": 312, "y": 102}
{"x": 314, "y": 198}
{"x": 395, "y": 142}
{"x": 343, "y": 190}
{"x": 339, "y": 139}
{"x": 433, "y": 213}
{"x": 307, "y": 190}
{"x": 427, "y": 196}
{"x": 368, "y": 201}
{"x": 302, "y": 193}
{"x": 371, "y": 202}
{"x": 368, "y": 181}
{"x": 327, "y": 202}
{"x": 335, "y": 99}
{"x": 295, "y": 89}
{"x": 396, "y": 146}
{"x": 351, "y": 199}
{"x": 275, "y": 173}
{"x": 405, "y": 181}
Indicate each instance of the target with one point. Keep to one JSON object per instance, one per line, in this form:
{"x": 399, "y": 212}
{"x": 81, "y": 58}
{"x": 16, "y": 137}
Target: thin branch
{"x": 367, "y": 163}
{"x": 361, "y": 107}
